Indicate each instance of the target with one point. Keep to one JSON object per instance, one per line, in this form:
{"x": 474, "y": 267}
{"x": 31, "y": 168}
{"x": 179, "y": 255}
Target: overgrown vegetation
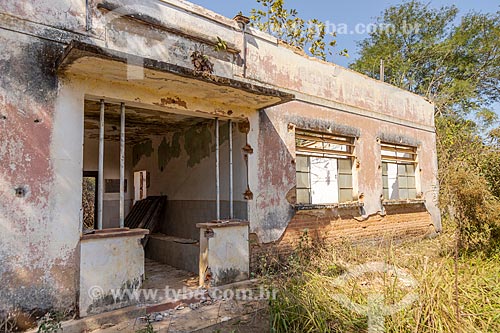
{"x": 201, "y": 61}
{"x": 457, "y": 67}
{"x": 307, "y": 287}
{"x": 468, "y": 187}
{"x": 51, "y": 322}
{"x": 455, "y": 64}
{"x": 8, "y": 322}
{"x": 149, "y": 325}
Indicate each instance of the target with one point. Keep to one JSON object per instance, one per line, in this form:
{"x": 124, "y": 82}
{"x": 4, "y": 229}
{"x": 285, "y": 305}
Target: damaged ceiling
{"x": 169, "y": 80}
{"x": 140, "y": 124}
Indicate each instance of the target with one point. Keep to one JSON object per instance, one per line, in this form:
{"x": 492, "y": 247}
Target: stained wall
{"x": 42, "y": 110}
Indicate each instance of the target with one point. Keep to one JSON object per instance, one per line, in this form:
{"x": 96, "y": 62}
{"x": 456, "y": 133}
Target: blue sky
{"x": 350, "y": 13}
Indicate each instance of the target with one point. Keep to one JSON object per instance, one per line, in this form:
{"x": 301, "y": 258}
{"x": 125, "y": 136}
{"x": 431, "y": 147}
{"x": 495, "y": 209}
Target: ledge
{"x": 222, "y": 224}
{"x": 149, "y": 20}
{"x": 403, "y": 202}
{"x": 114, "y": 233}
{"x": 174, "y": 239}
{"x": 91, "y": 60}
{"x": 344, "y": 205}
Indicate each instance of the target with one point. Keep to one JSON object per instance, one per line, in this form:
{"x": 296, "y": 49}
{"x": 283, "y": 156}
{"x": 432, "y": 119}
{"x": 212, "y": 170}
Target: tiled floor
{"x": 163, "y": 283}
{"x": 160, "y": 276}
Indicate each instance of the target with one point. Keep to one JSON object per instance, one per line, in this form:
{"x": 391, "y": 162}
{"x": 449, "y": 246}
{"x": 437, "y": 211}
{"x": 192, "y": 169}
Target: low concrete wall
{"x": 224, "y": 253}
{"x": 111, "y": 261}
{"x": 182, "y": 216}
{"x": 173, "y": 251}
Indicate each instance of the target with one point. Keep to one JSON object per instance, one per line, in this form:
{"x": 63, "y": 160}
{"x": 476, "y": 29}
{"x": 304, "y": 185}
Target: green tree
{"x": 457, "y": 67}
{"x": 286, "y": 25}
{"x": 469, "y": 182}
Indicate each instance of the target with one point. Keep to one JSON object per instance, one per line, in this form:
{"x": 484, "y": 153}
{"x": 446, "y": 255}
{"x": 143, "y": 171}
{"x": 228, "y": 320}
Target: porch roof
{"x": 92, "y": 60}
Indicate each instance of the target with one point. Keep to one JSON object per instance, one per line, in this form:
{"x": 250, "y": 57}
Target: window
{"x": 398, "y": 171}
{"x": 140, "y": 185}
{"x": 324, "y": 167}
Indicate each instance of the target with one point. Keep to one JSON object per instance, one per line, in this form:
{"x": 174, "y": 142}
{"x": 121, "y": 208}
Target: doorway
{"x": 89, "y": 199}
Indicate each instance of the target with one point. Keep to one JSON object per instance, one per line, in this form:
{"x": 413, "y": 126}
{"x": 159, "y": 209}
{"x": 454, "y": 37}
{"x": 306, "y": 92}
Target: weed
{"x": 8, "y": 322}
{"x": 51, "y": 322}
{"x": 149, "y": 326}
{"x": 221, "y": 45}
{"x": 305, "y": 301}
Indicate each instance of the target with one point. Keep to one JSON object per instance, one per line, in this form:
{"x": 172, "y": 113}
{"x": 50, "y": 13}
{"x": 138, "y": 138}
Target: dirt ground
{"x": 222, "y": 316}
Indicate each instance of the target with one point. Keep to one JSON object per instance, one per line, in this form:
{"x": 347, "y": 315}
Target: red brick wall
{"x": 399, "y": 223}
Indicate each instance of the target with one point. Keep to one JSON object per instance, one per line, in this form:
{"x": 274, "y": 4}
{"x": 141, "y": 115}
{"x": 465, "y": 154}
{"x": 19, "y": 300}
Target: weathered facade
{"x": 63, "y": 60}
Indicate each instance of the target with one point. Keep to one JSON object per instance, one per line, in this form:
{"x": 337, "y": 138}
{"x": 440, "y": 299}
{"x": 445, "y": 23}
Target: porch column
{"x": 122, "y": 166}
{"x": 217, "y": 166}
{"x": 100, "y": 181}
{"x": 231, "y": 205}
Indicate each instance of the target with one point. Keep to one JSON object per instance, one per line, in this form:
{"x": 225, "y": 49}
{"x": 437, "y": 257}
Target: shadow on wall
{"x": 19, "y": 288}
{"x": 277, "y": 170}
{"x": 276, "y": 177}
{"x": 31, "y": 271}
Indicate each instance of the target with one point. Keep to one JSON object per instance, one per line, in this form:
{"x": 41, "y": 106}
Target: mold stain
{"x": 169, "y": 150}
{"x": 227, "y": 276}
{"x": 142, "y": 149}
{"x": 111, "y": 301}
{"x": 197, "y": 143}
{"x": 223, "y": 134}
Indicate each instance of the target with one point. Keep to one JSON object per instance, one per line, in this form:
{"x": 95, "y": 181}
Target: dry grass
{"x": 309, "y": 280}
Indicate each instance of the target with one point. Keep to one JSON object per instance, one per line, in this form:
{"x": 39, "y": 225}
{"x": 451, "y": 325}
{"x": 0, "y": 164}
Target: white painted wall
{"x": 225, "y": 254}
{"x": 180, "y": 182}
{"x": 107, "y": 265}
{"x": 111, "y": 213}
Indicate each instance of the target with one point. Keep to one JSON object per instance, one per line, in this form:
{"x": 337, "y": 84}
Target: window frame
{"x": 403, "y": 156}
{"x": 334, "y": 146}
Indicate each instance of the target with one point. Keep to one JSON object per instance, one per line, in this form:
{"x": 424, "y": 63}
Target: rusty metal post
{"x": 88, "y": 16}
{"x": 245, "y": 66}
{"x": 231, "y": 196}
{"x": 100, "y": 190}
{"x": 217, "y": 167}
{"x": 122, "y": 165}
{"x": 382, "y": 70}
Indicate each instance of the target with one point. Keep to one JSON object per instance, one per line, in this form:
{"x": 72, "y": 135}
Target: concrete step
{"x": 127, "y": 319}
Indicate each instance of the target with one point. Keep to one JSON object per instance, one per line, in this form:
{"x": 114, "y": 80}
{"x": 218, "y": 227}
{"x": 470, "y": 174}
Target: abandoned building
{"x": 141, "y": 138}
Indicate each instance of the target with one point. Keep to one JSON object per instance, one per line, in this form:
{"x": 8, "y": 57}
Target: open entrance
{"x": 174, "y": 177}
{"x": 89, "y": 199}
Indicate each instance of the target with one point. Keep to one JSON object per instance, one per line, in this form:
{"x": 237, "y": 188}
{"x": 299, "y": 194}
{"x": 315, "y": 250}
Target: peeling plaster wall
{"x": 154, "y": 43}
{"x": 315, "y": 80}
{"x": 225, "y": 254}
{"x": 402, "y": 223}
{"x": 105, "y": 276}
{"x": 39, "y": 153}
{"x": 273, "y": 175}
{"x": 159, "y": 32}
{"x": 40, "y": 232}
{"x": 182, "y": 166}
{"x": 273, "y": 169}
{"x": 63, "y": 14}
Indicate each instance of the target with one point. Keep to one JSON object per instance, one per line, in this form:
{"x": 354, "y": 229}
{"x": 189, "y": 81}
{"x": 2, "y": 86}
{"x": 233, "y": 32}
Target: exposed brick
{"x": 400, "y": 223}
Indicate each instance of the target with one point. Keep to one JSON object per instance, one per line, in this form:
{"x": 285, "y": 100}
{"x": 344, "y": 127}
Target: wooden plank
{"x": 323, "y": 152}
{"x": 325, "y": 139}
{"x": 399, "y": 149}
{"x": 398, "y": 159}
